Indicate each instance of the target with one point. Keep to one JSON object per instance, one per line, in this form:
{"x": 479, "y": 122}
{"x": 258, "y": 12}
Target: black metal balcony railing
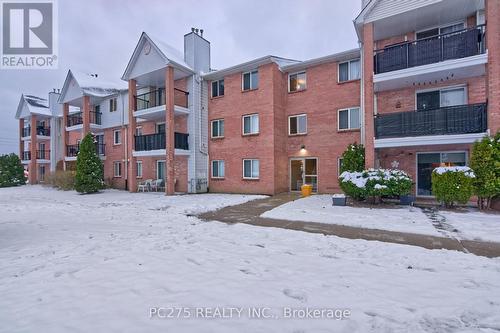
{"x": 72, "y": 150}
{"x": 26, "y": 155}
{"x": 157, "y": 98}
{"x": 43, "y": 154}
{"x": 158, "y": 141}
{"x": 460, "y": 119}
{"x": 77, "y": 118}
{"x": 453, "y": 45}
{"x": 44, "y": 131}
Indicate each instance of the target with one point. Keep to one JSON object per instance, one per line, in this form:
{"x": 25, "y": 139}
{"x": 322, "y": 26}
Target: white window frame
{"x": 439, "y": 27}
{"x": 137, "y": 164}
{"x": 138, "y": 131}
{"x": 251, "y": 168}
{"x": 339, "y": 161}
{"x": 441, "y": 89}
{"x": 289, "y": 124}
{"x": 157, "y": 167}
{"x": 115, "y": 142}
{"x": 212, "y": 128}
{"x": 115, "y": 163}
{"x": 243, "y": 80}
{"x": 349, "y": 128}
{"x": 297, "y": 73}
{"x": 243, "y": 124}
{"x": 218, "y": 169}
{"x": 156, "y": 127}
{"x": 348, "y": 70}
{"x": 218, "y": 88}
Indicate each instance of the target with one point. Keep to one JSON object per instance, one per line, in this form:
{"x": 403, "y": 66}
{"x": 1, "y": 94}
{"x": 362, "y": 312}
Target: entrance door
{"x": 426, "y": 162}
{"x": 303, "y": 171}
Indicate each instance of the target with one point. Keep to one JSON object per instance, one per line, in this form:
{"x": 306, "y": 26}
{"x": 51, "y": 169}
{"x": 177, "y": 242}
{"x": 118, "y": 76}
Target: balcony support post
{"x": 64, "y": 137}
{"x": 367, "y": 124}
{"x": 132, "y": 123}
{"x": 86, "y": 115}
{"x": 493, "y": 67}
{"x": 169, "y": 129}
{"x": 21, "y": 142}
{"x": 33, "y": 148}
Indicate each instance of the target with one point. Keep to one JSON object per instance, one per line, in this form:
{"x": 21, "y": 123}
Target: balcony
{"x": 72, "y": 150}
{"x": 150, "y": 105}
{"x": 40, "y": 131}
{"x": 157, "y": 141}
{"x": 26, "y": 155}
{"x": 455, "y": 45}
{"x": 75, "y": 119}
{"x": 457, "y": 120}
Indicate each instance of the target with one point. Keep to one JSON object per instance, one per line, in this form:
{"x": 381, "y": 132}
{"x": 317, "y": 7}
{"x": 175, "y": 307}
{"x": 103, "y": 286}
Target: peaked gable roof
{"x": 91, "y": 85}
{"x": 169, "y": 55}
{"x": 32, "y": 105}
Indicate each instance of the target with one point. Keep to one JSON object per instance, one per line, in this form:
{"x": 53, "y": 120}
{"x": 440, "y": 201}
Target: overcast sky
{"x": 99, "y": 36}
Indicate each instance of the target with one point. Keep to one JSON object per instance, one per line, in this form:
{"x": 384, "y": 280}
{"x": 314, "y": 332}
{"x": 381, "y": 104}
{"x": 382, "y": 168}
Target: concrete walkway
{"x": 249, "y": 213}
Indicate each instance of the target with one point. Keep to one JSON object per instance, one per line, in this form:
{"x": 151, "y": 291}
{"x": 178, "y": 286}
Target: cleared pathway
{"x": 249, "y": 213}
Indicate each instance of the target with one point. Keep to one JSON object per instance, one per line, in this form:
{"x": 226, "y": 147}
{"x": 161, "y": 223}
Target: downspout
{"x": 362, "y": 92}
{"x": 126, "y": 141}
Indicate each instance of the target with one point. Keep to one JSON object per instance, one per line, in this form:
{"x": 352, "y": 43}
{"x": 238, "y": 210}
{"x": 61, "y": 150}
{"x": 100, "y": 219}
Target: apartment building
{"x": 431, "y": 82}
{"x": 421, "y": 89}
{"x": 276, "y": 123}
{"x": 39, "y": 127}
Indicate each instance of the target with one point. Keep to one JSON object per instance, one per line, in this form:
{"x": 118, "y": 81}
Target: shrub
{"x": 89, "y": 169}
{"x": 452, "y": 185}
{"x": 63, "y": 180}
{"x": 11, "y": 171}
{"x": 485, "y": 161}
{"x": 375, "y": 183}
{"x": 353, "y": 158}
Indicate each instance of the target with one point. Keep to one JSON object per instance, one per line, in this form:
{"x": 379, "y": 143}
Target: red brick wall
{"x": 404, "y": 99}
{"x": 493, "y": 67}
{"x": 114, "y": 153}
{"x": 321, "y": 100}
{"x": 235, "y": 147}
{"x": 149, "y": 166}
{"x": 407, "y": 156}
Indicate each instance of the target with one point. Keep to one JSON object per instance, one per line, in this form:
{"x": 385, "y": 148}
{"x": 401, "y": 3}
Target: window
{"x": 251, "y": 169}
{"x": 349, "y": 70}
{"x": 250, "y": 80}
{"x": 112, "y": 105}
{"x": 218, "y": 128}
{"x": 117, "y": 137}
{"x": 117, "y": 169}
{"x": 349, "y": 119}
{"x": 297, "y": 124}
{"x": 97, "y": 108}
{"x": 297, "y": 82}
{"x": 160, "y": 128}
{"x": 435, "y": 99}
{"x": 218, "y": 88}
{"x": 251, "y": 124}
{"x": 440, "y": 30}
{"x": 138, "y": 131}
{"x": 138, "y": 166}
{"x": 217, "y": 169}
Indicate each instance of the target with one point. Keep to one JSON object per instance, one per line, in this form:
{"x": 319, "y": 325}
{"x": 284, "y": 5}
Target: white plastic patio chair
{"x": 144, "y": 186}
{"x": 156, "y": 184}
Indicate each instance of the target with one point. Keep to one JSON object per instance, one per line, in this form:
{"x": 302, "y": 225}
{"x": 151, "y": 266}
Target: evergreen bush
{"x": 89, "y": 168}
{"x": 452, "y": 185}
{"x": 353, "y": 158}
{"x": 485, "y": 161}
{"x": 11, "y": 171}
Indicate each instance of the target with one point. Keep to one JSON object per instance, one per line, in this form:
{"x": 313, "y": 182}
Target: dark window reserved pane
{"x": 428, "y": 100}
{"x": 160, "y": 128}
{"x": 297, "y": 82}
{"x": 428, "y": 33}
{"x": 215, "y": 89}
{"x": 344, "y": 72}
{"x": 246, "y": 125}
{"x": 215, "y": 129}
{"x": 246, "y": 81}
{"x": 221, "y": 87}
{"x": 293, "y": 125}
{"x": 247, "y": 168}
{"x": 254, "y": 80}
{"x": 344, "y": 119}
{"x": 355, "y": 118}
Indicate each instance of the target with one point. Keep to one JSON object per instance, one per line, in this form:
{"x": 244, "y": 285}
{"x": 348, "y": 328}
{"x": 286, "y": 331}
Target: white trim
{"x": 303, "y": 159}
{"x": 218, "y": 90}
{"x": 212, "y": 128}
{"x": 429, "y": 140}
{"x": 157, "y": 168}
{"x": 137, "y": 169}
{"x": 242, "y": 79}
{"x": 348, "y": 70}
{"x": 156, "y": 152}
{"x": 115, "y": 175}
{"x": 434, "y": 152}
{"x": 348, "y": 109}
{"x": 296, "y": 116}
{"x": 115, "y": 143}
{"x": 251, "y": 168}
{"x": 154, "y": 109}
{"x": 74, "y": 128}
{"x": 447, "y": 65}
{"x": 297, "y": 73}
{"x": 243, "y": 124}
{"x": 218, "y": 169}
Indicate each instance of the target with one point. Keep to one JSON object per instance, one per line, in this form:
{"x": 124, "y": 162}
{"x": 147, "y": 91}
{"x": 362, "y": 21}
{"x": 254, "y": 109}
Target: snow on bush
{"x": 375, "y": 182}
{"x": 452, "y": 185}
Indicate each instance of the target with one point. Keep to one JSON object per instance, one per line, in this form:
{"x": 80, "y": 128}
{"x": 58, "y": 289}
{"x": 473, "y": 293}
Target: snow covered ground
{"x": 101, "y": 262}
{"x": 318, "y": 208}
